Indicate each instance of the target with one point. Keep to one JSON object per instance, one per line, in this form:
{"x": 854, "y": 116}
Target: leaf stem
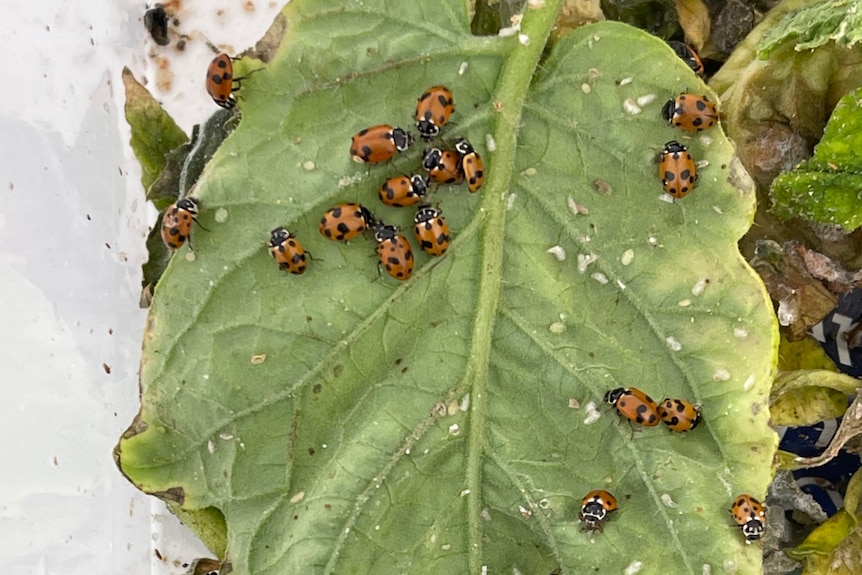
{"x": 508, "y": 101}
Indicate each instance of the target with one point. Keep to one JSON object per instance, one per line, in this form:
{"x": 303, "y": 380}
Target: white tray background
{"x": 73, "y": 220}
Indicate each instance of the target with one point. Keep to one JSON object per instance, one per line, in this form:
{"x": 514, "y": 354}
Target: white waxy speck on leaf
{"x": 721, "y": 374}
{"x": 559, "y": 252}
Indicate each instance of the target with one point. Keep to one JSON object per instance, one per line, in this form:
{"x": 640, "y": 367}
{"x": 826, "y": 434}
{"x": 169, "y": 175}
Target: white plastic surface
{"x": 73, "y": 220}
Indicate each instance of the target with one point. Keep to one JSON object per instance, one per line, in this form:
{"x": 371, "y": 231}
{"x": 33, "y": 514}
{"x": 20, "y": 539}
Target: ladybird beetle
{"x": 287, "y": 251}
{"x": 443, "y": 165}
{"x": 688, "y": 55}
{"x": 220, "y": 81}
{"x": 177, "y": 222}
{"x": 379, "y": 143}
{"x": 471, "y": 165}
{"x": 676, "y": 170}
{"x": 433, "y": 109}
{"x": 595, "y": 507}
{"x": 690, "y": 112}
{"x": 394, "y": 251}
{"x": 345, "y": 222}
{"x": 401, "y": 191}
{"x": 679, "y": 414}
{"x": 634, "y": 405}
{"x": 750, "y": 515}
{"x": 432, "y": 231}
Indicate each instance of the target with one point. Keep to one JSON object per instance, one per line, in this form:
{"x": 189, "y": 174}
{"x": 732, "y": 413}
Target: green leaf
{"x": 823, "y": 540}
{"x": 805, "y": 397}
{"x": 154, "y": 132}
{"x": 804, "y": 354}
{"x": 827, "y": 187}
{"x": 807, "y": 406}
{"x": 776, "y": 110}
{"x": 343, "y": 422}
{"x": 183, "y": 167}
{"x": 809, "y": 27}
{"x": 184, "y": 164}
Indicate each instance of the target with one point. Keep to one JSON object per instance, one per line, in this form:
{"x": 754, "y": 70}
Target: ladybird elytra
{"x": 472, "y": 165}
{"x": 677, "y": 170}
{"x": 690, "y": 112}
{"x": 345, "y": 222}
{"x": 750, "y": 516}
{"x": 595, "y": 507}
{"x": 431, "y": 230}
{"x": 220, "y": 81}
{"x": 287, "y": 251}
{"x": 634, "y": 405}
{"x": 379, "y": 143}
{"x": 433, "y": 110}
{"x": 402, "y": 191}
{"x": 177, "y": 222}
{"x": 393, "y": 251}
{"x": 678, "y": 414}
{"x": 443, "y": 166}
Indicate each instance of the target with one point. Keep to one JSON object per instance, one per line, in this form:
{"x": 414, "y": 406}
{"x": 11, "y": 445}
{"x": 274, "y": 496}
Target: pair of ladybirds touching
{"x": 638, "y": 407}
{"x": 689, "y": 112}
{"x": 677, "y": 169}
{"x": 393, "y": 249}
{"x": 347, "y": 221}
{"x": 380, "y": 143}
{"x": 453, "y": 166}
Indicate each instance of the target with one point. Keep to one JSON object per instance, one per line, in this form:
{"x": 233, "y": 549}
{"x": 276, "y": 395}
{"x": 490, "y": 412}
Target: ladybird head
{"x": 425, "y": 212}
{"x": 365, "y": 214}
{"x": 613, "y": 395}
{"x": 228, "y": 103}
{"x": 402, "y": 139}
{"x": 188, "y": 204}
{"x": 668, "y": 110}
{"x": 673, "y": 147}
{"x": 383, "y": 232}
{"x": 428, "y": 130}
{"x": 463, "y": 147}
{"x": 753, "y": 530}
{"x": 278, "y": 235}
{"x": 420, "y": 183}
{"x": 431, "y": 158}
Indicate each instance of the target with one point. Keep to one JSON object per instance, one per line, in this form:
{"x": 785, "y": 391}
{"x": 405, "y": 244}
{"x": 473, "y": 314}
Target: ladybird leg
{"x": 633, "y": 429}
{"x": 200, "y": 224}
{"x": 432, "y": 187}
{"x": 238, "y": 81}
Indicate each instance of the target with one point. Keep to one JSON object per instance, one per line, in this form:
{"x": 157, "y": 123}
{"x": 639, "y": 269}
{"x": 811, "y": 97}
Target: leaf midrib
{"x": 514, "y": 82}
